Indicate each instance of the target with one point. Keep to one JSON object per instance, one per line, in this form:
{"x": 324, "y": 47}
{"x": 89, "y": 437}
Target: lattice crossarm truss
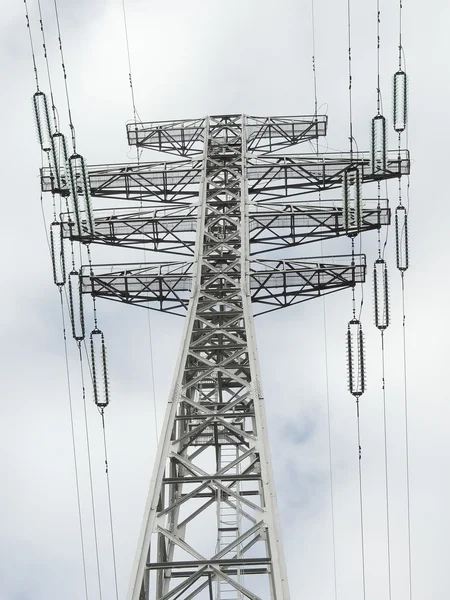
{"x": 279, "y": 176}
{"x": 264, "y": 134}
{"x": 272, "y": 226}
{"x": 170, "y": 230}
{"x": 274, "y": 283}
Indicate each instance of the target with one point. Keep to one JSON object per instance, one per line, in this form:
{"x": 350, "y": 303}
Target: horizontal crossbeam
{"x": 269, "y": 177}
{"x": 185, "y": 137}
{"x": 272, "y": 226}
{"x": 275, "y": 284}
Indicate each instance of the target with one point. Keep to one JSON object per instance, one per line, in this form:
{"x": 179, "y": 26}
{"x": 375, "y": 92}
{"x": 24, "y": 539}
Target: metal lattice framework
{"x": 211, "y": 528}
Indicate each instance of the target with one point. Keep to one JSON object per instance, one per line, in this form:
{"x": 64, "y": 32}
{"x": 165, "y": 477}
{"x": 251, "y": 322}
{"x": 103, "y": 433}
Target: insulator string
{"x": 64, "y": 70}
{"x": 91, "y": 483}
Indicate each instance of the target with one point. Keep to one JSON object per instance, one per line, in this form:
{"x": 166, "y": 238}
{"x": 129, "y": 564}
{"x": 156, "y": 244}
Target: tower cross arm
{"x": 283, "y": 175}
{"x": 265, "y": 134}
{"x": 173, "y": 181}
{"x": 275, "y": 284}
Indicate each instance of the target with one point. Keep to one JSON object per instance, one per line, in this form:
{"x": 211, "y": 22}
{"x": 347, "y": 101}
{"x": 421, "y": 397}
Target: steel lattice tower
{"x": 211, "y": 528}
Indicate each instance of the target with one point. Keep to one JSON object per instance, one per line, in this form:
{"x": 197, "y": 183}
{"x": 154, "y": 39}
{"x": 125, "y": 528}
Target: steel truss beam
{"x": 186, "y": 137}
{"x": 274, "y": 283}
{"x": 271, "y": 226}
{"x": 269, "y": 177}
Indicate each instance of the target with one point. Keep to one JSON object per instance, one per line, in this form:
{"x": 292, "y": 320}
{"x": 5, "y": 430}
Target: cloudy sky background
{"x": 191, "y": 59}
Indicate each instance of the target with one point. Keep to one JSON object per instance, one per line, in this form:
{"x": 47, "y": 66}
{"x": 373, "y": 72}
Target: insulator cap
{"x": 42, "y": 119}
{"x": 355, "y": 356}
{"x": 352, "y": 200}
{"x": 57, "y": 252}
{"x": 76, "y": 305}
{"x": 100, "y": 381}
{"x": 379, "y": 145}
{"x": 400, "y": 101}
{"x": 381, "y": 294}
{"x": 401, "y": 238}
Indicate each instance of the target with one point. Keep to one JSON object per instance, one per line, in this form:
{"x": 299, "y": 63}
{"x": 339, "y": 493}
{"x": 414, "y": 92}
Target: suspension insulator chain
{"x": 99, "y": 368}
{"x": 42, "y": 120}
{"x": 352, "y": 199}
{"x": 379, "y": 145}
{"x": 57, "y": 251}
{"x": 401, "y": 238}
{"x": 80, "y": 195}
{"x": 381, "y": 294}
{"x": 355, "y": 359}
{"x": 58, "y": 160}
{"x": 400, "y": 101}
{"x": 76, "y": 305}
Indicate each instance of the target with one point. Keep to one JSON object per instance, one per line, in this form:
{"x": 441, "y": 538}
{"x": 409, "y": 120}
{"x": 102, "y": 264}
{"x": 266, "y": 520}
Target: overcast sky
{"x": 190, "y": 59}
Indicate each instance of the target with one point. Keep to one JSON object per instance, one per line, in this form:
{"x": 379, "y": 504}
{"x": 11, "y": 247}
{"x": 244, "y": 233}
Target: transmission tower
{"x": 210, "y": 528}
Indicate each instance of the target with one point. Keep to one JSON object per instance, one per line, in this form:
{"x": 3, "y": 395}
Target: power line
{"x": 63, "y": 66}
{"x": 44, "y": 46}
{"x": 91, "y": 484}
